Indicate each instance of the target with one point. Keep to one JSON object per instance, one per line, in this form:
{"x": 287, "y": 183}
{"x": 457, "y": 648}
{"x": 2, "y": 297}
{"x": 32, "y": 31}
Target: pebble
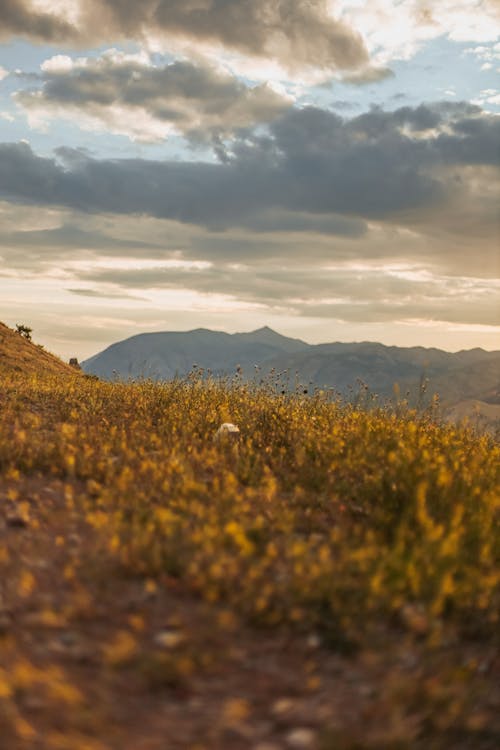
{"x": 282, "y": 706}
{"x": 68, "y": 638}
{"x": 313, "y": 641}
{"x": 366, "y": 691}
{"x": 237, "y": 731}
{"x": 15, "y": 521}
{"x": 414, "y": 618}
{"x": 301, "y": 738}
{"x": 169, "y": 638}
{"x": 227, "y": 431}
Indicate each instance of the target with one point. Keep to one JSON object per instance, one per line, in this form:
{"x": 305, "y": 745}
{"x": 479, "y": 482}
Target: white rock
{"x": 227, "y": 431}
{"x": 283, "y": 706}
{"x": 169, "y": 639}
{"x": 313, "y": 641}
{"x": 301, "y": 738}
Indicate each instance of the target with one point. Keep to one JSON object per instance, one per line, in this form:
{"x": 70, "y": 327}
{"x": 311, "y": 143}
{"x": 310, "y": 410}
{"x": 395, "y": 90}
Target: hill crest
{"x": 19, "y": 355}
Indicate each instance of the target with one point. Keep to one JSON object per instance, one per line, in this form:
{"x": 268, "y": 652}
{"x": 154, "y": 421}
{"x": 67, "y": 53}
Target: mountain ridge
{"x": 468, "y": 373}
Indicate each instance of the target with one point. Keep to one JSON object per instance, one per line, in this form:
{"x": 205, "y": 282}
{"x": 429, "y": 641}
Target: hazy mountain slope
{"x": 477, "y": 414}
{"x": 342, "y": 367}
{"x": 267, "y": 336}
{"x": 165, "y": 355}
{"x": 473, "y": 374}
{"x": 18, "y": 355}
{"x": 478, "y": 380}
{"x": 455, "y": 376}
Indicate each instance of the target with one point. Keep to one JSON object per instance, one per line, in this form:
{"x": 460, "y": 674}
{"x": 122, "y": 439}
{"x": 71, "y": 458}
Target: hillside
{"x": 478, "y": 414}
{"x": 163, "y": 356}
{"x": 18, "y": 355}
{"x": 328, "y": 581}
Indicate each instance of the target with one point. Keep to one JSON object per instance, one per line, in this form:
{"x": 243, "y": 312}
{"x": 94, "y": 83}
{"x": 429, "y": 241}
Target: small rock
{"x": 68, "y": 638}
{"x": 415, "y": 619}
{"x": 169, "y": 639}
{"x": 366, "y": 691}
{"x": 301, "y": 738}
{"x": 483, "y": 666}
{"x": 16, "y": 521}
{"x": 282, "y": 707}
{"x": 34, "y": 703}
{"x": 41, "y": 564}
{"x": 409, "y": 660}
{"x": 237, "y": 731}
{"x": 77, "y": 652}
{"x": 313, "y": 641}
{"x": 262, "y": 728}
{"x": 227, "y": 431}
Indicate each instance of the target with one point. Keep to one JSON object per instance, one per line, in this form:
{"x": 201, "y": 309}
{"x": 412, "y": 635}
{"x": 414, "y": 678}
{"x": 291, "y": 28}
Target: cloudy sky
{"x": 328, "y": 168}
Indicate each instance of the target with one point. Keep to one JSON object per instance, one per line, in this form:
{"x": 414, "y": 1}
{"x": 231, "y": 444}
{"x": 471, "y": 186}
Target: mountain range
{"x": 469, "y": 375}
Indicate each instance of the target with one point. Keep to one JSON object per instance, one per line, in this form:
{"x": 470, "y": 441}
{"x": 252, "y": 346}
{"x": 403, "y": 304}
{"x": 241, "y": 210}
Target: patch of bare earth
{"x": 93, "y": 660}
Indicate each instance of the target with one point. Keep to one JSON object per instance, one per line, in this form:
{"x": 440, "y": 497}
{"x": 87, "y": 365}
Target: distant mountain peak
{"x": 268, "y": 335}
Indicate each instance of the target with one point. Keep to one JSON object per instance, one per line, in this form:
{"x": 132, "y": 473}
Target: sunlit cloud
{"x": 327, "y": 168}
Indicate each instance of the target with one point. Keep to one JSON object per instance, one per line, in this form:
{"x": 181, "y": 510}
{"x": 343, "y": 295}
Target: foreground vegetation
{"x": 354, "y": 530}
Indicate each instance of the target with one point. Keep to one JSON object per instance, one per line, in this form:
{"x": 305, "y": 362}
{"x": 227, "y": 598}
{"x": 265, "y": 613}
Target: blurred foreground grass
{"x": 321, "y": 518}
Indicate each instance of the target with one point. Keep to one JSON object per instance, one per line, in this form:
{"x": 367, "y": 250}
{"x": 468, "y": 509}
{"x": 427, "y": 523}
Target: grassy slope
{"x": 165, "y": 588}
{"x": 18, "y": 355}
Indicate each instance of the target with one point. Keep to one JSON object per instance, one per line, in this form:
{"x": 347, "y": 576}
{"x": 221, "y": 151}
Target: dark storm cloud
{"x": 198, "y": 101}
{"x": 473, "y": 141}
{"x": 380, "y": 165}
{"x": 297, "y": 221}
{"x": 17, "y": 19}
{"x": 297, "y": 33}
{"x": 68, "y": 236}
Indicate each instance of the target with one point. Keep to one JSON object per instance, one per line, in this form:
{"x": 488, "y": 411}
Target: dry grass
{"x": 18, "y": 355}
{"x": 369, "y": 532}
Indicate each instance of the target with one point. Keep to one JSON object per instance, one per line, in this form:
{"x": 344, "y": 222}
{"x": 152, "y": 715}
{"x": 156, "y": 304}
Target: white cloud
{"x": 493, "y": 99}
{"x": 139, "y": 126}
{"x": 488, "y": 55}
{"x": 112, "y": 56}
{"x": 60, "y": 64}
{"x": 487, "y": 97}
{"x": 128, "y": 95}
{"x": 396, "y": 30}
{"x": 69, "y": 10}
{"x": 3, "y": 73}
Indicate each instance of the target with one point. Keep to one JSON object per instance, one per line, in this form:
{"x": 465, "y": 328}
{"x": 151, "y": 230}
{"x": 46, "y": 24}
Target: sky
{"x": 329, "y": 169}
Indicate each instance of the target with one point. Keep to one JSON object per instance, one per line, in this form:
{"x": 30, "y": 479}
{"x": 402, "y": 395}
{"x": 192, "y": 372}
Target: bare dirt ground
{"x": 92, "y": 660}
